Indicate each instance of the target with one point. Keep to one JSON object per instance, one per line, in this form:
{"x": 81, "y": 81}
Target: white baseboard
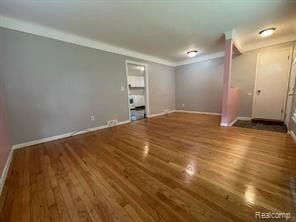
{"x": 236, "y": 119}
{"x": 160, "y": 114}
{"x": 233, "y": 122}
{"x": 5, "y": 170}
{"x": 229, "y": 124}
{"x": 292, "y": 135}
{"x": 205, "y": 113}
{"x": 216, "y": 114}
{"x": 244, "y": 118}
{"x": 48, "y": 139}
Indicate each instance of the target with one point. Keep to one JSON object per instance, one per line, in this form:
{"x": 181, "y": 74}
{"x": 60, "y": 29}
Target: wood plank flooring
{"x": 179, "y": 167}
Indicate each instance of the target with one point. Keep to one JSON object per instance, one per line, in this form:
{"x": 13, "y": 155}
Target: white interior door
{"x": 271, "y": 84}
{"x": 291, "y": 89}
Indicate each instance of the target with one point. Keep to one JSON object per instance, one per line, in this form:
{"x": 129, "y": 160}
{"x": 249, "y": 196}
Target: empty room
{"x": 148, "y": 110}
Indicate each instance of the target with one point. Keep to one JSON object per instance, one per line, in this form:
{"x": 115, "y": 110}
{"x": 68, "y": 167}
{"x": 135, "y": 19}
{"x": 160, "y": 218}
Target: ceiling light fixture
{"x": 192, "y": 53}
{"x": 267, "y": 32}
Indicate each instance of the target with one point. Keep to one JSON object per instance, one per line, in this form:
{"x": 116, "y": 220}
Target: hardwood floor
{"x": 180, "y": 167}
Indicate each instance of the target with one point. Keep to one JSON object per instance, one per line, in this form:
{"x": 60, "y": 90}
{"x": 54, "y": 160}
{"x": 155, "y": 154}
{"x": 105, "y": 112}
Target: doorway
{"x": 271, "y": 84}
{"x": 137, "y": 87}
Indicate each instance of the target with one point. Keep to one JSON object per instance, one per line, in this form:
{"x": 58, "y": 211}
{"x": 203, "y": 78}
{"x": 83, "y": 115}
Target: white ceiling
{"x": 162, "y": 29}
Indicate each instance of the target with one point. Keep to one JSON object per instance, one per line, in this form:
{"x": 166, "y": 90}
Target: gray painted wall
{"x": 161, "y": 88}
{"x": 5, "y": 146}
{"x": 243, "y": 76}
{"x": 199, "y": 85}
{"x": 53, "y": 87}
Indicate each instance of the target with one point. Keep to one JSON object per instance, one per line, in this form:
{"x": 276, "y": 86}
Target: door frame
{"x": 147, "y": 108}
{"x": 287, "y": 84}
{"x": 292, "y": 80}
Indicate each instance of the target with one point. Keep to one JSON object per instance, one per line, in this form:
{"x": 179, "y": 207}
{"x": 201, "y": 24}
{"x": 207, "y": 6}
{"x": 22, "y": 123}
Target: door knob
{"x": 259, "y": 91}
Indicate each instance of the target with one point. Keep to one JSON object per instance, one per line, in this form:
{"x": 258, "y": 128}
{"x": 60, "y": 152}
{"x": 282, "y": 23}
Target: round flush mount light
{"x": 192, "y": 53}
{"x": 267, "y": 32}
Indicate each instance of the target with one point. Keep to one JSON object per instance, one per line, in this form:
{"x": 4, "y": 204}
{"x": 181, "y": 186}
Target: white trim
{"x": 200, "y": 58}
{"x": 244, "y": 118}
{"x": 160, "y": 114}
{"x": 235, "y": 38}
{"x": 229, "y": 124}
{"x": 255, "y": 84}
{"x": 243, "y": 49}
{"x": 5, "y": 170}
{"x": 44, "y": 31}
{"x": 291, "y": 83}
{"x": 292, "y": 135}
{"x": 127, "y": 90}
{"x": 294, "y": 119}
{"x": 236, "y": 119}
{"x": 233, "y": 122}
{"x": 155, "y": 115}
{"x": 268, "y": 43}
{"x": 123, "y": 122}
{"x": 40, "y": 30}
{"x": 256, "y": 79}
{"x": 48, "y": 139}
{"x": 197, "y": 112}
{"x": 147, "y": 107}
{"x": 228, "y": 35}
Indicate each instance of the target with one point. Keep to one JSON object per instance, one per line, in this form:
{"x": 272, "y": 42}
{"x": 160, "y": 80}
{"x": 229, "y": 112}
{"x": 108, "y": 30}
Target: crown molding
{"x": 268, "y": 42}
{"x": 235, "y": 38}
{"x": 40, "y": 30}
{"x": 228, "y": 35}
{"x": 201, "y": 58}
{"x": 245, "y": 48}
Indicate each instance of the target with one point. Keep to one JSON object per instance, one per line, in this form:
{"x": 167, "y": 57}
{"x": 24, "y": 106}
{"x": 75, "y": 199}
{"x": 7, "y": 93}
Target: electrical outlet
{"x": 92, "y": 118}
{"x": 122, "y": 88}
{"x": 112, "y": 122}
{"x": 183, "y": 105}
